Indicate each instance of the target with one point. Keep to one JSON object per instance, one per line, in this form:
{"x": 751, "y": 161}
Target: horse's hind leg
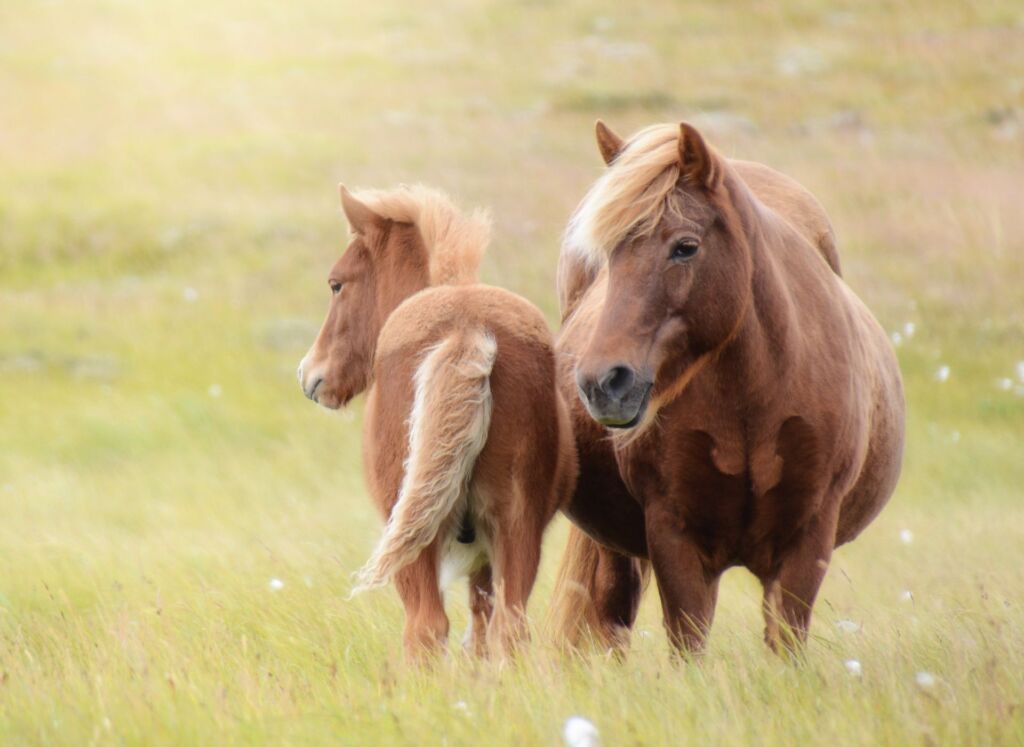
{"x": 617, "y": 588}
{"x": 426, "y": 624}
{"x": 481, "y": 606}
{"x": 789, "y": 594}
{"x": 597, "y": 594}
{"x": 517, "y": 557}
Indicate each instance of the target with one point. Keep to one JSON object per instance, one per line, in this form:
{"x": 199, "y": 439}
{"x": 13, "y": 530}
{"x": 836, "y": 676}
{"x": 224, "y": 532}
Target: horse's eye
{"x": 335, "y": 287}
{"x": 684, "y": 249}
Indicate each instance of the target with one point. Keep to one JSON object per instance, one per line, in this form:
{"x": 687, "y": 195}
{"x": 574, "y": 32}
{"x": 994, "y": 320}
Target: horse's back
{"x": 427, "y": 316}
{"x": 794, "y": 203}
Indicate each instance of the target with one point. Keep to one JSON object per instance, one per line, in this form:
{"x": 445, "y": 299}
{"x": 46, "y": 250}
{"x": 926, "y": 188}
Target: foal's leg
{"x": 426, "y": 624}
{"x": 517, "y": 557}
{"x": 789, "y": 594}
{"x": 688, "y": 592}
{"x": 481, "y": 606}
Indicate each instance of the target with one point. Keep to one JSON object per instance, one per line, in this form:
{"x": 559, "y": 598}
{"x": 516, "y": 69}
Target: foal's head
{"x": 404, "y": 240}
{"x": 679, "y": 270}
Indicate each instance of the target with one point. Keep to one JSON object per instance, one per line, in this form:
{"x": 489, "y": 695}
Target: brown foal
{"x": 468, "y": 448}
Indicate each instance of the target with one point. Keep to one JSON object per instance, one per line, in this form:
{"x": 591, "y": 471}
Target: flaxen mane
{"x": 455, "y": 242}
{"x": 632, "y": 196}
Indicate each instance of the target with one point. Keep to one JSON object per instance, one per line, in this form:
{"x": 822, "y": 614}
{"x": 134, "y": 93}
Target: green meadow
{"x": 178, "y": 525}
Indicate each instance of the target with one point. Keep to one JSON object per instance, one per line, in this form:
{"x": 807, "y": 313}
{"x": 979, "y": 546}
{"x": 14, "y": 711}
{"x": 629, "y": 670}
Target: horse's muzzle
{"x": 616, "y": 397}
{"x": 308, "y": 387}
{"x": 310, "y": 390}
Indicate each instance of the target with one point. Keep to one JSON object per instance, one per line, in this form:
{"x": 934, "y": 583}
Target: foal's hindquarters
{"x": 469, "y": 453}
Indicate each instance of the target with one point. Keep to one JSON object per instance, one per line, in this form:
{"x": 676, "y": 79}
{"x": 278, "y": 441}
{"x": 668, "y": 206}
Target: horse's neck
{"x": 763, "y": 347}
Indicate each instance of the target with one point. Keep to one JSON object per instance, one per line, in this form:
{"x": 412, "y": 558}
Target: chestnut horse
{"x": 757, "y": 405}
{"x": 467, "y": 443}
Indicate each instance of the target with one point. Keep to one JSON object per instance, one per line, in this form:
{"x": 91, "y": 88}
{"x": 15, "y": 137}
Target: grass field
{"x": 178, "y": 524}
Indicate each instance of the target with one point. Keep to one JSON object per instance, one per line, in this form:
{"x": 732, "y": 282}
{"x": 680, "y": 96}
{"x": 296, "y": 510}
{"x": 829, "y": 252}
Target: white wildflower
{"x": 942, "y": 373}
{"x": 580, "y": 732}
{"x": 1005, "y": 384}
{"x": 853, "y": 667}
{"x": 897, "y": 339}
{"x": 925, "y": 680}
{"x": 276, "y": 584}
{"x": 906, "y": 595}
{"x": 906, "y": 536}
{"x": 847, "y": 626}
{"x": 908, "y": 329}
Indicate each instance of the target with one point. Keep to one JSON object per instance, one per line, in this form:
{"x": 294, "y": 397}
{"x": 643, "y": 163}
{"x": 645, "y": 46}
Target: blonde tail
{"x": 573, "y": 615}
{"x": 451, "y": 415}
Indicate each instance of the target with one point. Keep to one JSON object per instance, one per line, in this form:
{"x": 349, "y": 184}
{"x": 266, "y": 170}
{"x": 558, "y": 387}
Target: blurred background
{"x": 179, "y": 523}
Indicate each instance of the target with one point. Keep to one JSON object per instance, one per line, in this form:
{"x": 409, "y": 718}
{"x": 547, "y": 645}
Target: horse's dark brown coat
{"x": 779, "y": 425}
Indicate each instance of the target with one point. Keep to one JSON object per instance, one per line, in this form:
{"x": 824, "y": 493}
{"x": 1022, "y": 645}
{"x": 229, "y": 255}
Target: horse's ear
{"x": 698, "y": 164}
{"x": 608, "y": 142}
{"x": 360, "y": 216}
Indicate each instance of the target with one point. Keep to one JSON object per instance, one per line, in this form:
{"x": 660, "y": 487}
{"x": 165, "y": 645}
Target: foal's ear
{"x": 608, "y": 142}
{"x": 698, "y": 164}
{"x": 360, "y": 216}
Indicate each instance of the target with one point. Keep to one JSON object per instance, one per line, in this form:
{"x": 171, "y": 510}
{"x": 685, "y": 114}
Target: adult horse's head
{"x": 404, "y": 240}
{"x": 679, "y": 270}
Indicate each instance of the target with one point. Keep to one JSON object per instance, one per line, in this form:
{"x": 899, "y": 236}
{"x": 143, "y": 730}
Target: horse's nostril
{"x": 617, "y": 381}
{"x": 311, "y": 391}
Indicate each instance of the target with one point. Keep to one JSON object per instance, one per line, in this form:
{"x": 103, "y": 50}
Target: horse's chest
{"x": 741, "y": 504}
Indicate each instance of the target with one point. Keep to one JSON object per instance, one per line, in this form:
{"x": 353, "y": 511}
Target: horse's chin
{"x": 330, "y": 400}
{"x": 623, "y": 425}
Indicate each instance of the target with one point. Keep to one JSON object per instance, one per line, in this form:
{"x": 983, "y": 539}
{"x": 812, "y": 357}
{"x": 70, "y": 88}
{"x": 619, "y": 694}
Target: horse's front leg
{"x": 789, "y": 593}
{"x": 688, "y": 589}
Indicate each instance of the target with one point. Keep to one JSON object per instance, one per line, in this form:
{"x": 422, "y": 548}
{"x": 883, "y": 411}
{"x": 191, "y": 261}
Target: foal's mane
{"x": 631, "y": 196}
{"x": 454, "y": 242}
